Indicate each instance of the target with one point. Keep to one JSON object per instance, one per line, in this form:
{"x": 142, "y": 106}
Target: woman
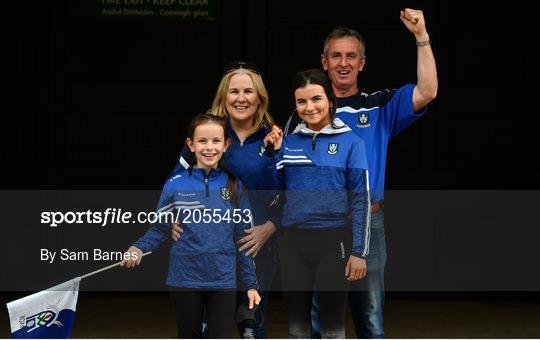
{"x": 324, "y": 174}
{"x": 242, "y": 98}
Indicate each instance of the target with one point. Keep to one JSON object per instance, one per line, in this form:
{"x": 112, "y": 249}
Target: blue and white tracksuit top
{"x": 207, "y": 255}
{"x": 376, "y": 118}
{"x": 249, "y": 161}
{"x": 324, "y": 176}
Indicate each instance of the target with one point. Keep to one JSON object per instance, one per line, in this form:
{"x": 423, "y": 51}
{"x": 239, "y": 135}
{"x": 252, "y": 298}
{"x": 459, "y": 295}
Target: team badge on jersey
{"x": 225, "y": 193}
{"x": 333, "y": 148}
{"x": 363, "y": 118}
{"x": 261, "y": 150}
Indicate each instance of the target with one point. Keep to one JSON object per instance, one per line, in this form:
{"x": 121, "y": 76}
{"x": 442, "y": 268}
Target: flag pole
{"x": 108, "y": 267}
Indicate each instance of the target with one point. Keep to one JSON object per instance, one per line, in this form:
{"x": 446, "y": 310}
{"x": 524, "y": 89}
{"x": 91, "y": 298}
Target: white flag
{"x": 47, "y": 314}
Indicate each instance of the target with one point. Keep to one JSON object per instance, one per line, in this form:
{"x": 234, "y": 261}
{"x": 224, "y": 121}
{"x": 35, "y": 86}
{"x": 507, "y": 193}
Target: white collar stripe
{"x": 351, "y": 110}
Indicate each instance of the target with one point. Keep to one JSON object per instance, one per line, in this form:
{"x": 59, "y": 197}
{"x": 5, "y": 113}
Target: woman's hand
{"x": 133, "y": 260}
{"x": 356, "y": 268}
{"x": 256, "y": 237}
{"x": 253, "y": 297}
{"x": 176, "y": 231}
{"x": 274, "y": 137}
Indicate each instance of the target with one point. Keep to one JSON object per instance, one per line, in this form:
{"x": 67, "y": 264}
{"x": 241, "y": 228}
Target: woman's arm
{"x": 244, "y": 262}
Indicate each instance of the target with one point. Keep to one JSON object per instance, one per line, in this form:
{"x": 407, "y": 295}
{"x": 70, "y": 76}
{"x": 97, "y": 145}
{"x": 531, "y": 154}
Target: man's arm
{"x": 427, "y": 83}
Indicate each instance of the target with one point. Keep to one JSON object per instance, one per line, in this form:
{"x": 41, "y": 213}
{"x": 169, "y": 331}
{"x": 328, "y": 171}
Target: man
{"x": 376, "y": 118}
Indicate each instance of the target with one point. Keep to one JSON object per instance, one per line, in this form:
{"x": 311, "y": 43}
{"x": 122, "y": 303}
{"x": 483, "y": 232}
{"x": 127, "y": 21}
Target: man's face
{"x": 343, "y": 63}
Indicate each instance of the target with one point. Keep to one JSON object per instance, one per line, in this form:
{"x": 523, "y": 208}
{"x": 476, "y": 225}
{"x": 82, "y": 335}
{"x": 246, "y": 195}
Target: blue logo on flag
{"x": 46, "y": 318}
{"x": 46, "y": 314}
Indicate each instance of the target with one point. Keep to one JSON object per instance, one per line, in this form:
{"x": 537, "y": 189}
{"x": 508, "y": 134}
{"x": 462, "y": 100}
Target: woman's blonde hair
{"x": 262, "y": 117}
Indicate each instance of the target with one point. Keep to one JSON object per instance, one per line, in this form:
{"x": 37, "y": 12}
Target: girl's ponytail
{"x": 232, "y": 185}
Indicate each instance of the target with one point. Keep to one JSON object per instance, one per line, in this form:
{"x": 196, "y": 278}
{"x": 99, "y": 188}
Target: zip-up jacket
{"x": 325, "y": 178}
{"x": 376, "y": 118}
{"x": 207, "y": 255}
{"x": 254, "y": 166}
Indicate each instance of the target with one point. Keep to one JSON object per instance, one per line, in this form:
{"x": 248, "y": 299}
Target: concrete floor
{"x": 150, "y": 316}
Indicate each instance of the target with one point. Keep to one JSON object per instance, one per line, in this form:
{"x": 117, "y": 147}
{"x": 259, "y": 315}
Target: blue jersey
{"x": 255, "y": 167}
{"x": 207, "y": 255}
{"x": 376, "y": 118}
{"x": 325, "y": 179}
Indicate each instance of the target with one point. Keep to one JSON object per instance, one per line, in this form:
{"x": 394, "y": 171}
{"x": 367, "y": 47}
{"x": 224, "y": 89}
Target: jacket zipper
{"x": 206, "y": 185}
{"x": 313, "y": 141}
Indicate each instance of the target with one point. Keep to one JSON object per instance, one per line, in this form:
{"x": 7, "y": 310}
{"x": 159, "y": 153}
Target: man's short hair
{"x": 342, "y": 32}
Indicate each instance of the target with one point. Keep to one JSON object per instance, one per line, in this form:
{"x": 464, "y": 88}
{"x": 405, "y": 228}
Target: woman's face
{"x": 242, "y": 99}
{"x": 313, "y": 106}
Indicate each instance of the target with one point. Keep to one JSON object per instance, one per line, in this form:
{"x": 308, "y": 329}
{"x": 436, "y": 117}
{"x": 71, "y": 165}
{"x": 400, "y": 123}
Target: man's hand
{"x": 176, "y": 231}
{"x": 356, "y": 268}
{"x": 426, "y": 70}
{"x": 256, "y": 237}
{"x": 414, "y": 21}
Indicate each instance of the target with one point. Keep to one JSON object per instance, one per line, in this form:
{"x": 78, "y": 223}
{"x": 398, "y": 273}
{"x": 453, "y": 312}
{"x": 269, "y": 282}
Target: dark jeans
{"x": 367, "y": 296}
